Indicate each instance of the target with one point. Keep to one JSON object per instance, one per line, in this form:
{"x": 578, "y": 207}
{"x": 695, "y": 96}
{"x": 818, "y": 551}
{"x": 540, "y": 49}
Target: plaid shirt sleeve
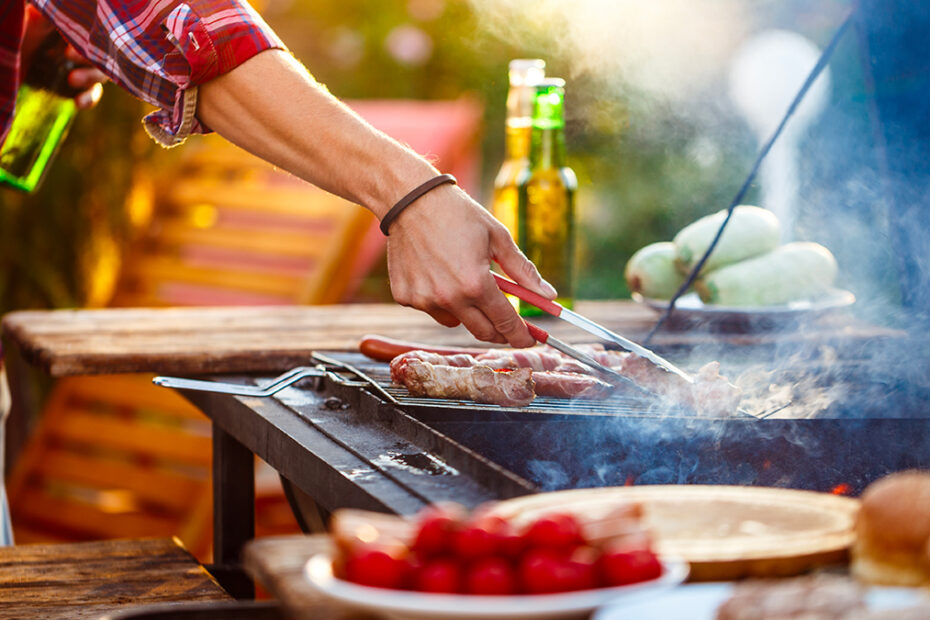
{"x": 11, "y": 36}
{"x": 161, "y": 50}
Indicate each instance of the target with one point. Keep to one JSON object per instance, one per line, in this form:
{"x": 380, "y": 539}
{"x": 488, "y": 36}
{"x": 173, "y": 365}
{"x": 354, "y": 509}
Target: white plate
{"x": 700, "y": 602}
{"x": 690, "y": 307}
{"x": 403, "y": 604}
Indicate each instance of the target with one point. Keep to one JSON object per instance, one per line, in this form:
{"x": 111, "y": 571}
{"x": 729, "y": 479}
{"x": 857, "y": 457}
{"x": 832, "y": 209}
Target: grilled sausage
{"x": 385, "y": 349}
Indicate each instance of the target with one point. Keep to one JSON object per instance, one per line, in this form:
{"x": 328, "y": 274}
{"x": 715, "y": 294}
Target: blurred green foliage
{"x": 646, "y": 166}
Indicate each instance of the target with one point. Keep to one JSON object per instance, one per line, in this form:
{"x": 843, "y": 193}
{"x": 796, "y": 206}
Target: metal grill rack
{"x": 623, "y": 402}
{"x": 376, "y": 376}
{"x": 563, "y": 444}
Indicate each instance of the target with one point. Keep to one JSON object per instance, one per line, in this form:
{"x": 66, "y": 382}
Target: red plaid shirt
{"x": 158, "y": 50}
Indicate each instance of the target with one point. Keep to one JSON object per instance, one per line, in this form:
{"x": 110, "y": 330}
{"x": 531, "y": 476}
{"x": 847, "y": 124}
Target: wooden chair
{"x": 114, "y": 456}
{"x": 231, "y": 232}
{"x": 111, "y": 460}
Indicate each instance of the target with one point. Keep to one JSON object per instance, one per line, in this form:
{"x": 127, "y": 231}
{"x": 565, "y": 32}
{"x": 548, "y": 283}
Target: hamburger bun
{"x": 892, "y": 545}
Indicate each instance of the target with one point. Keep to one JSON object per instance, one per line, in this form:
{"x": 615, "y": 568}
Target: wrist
{"x": 412, "y": 196}
{"x": 392, "y": 183}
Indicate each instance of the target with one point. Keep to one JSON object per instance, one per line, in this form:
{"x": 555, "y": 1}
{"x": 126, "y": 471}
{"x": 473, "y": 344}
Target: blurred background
{"x": 652, "y": 129}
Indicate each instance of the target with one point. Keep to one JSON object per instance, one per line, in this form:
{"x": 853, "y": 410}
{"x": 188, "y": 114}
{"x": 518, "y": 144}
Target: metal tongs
{"x": 275, "y": 385}
{"x": 558, "y": 310}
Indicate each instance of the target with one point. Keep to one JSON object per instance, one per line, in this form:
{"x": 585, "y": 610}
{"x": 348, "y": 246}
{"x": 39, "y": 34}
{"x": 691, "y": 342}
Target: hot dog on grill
{"x": 385, "y": 349}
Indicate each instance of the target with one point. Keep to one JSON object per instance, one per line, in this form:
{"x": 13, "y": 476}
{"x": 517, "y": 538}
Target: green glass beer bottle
{"x": 44, "y": 110}
{"x": 524, "y": 74}
{"x": 546, "y": 192}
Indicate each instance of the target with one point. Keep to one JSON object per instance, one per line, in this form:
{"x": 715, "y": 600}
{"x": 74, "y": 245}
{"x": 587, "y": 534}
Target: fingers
{"x": 489, "y": 316}
{"x": 89, "y": 98}
{"x": 444, "y": 318}
{"x": 516, "y": 265}
{"x": 479, "y": 326}
{"x": 85, "y": 77}
{"x": 73, "y": 55}
{"x": 504, "y": 318}
{"x": 89, "y": 81}
{"x": 450, "y": 310}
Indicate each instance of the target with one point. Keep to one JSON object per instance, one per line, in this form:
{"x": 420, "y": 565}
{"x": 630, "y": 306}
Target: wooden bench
{"x": 89, "y": 580}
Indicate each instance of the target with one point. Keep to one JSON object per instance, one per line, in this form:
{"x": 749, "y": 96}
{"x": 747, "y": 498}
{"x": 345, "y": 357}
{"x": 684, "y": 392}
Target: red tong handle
{"x": 509, "y": 286}
{"x": 538, "y": 333}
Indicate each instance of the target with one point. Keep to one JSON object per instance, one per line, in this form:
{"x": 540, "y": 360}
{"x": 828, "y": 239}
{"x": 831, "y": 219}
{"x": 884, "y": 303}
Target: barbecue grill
{"x": 845, "y": 428}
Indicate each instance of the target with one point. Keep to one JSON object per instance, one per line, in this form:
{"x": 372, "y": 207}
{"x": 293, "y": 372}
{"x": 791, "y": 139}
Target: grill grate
{"x": 377, "y": 376}
{"x": 626, "y": 439}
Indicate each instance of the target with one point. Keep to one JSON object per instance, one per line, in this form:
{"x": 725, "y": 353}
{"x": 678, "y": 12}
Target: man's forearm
{"x": 272, "y": 107}
{"x": 440, "y": 249}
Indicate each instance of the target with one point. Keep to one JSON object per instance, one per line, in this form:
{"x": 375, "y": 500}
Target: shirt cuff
{"x": 210, "y": 38}
{"x": 172, "y": 127}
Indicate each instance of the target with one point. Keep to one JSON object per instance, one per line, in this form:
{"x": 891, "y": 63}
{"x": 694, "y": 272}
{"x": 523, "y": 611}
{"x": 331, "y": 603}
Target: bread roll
{"x": 893, "y": 531}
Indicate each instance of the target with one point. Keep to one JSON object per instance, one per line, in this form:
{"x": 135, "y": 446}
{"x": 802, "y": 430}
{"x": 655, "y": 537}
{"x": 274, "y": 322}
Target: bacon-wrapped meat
{"x": 514, "y": 388}
{"x": 399, "y": 363}
{"x": 547, "y": 383}
{"x": 711, "y": 394}
{"x": 537, "y": 358}
{"x": 570, "y": 385}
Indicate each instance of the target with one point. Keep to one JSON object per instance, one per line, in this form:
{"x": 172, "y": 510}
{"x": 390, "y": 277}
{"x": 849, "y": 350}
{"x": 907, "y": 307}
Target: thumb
{"x": 516, "y": 265}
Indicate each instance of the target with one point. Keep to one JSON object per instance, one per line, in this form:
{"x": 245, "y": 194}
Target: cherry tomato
{"x": 622, "y": 566}
{"x": 377, "y": 568}
{"x": 544, "y": 571}
{"x": 583, "y": 564}
{"x": 513, "y": 544}
{"x": 555, "y": 531}
{"x": 440, "y": 575}
{"x": 490, "y": 575}
{"x": 436, "y": 532}
{"x": 481, "y": 537}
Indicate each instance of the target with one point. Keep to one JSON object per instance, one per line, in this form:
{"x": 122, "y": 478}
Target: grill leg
{"x": 233, "y": 511}
{"x": 311, "y": 517}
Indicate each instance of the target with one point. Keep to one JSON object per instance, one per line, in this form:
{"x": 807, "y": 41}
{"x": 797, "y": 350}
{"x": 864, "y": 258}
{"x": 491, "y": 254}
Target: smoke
{"x": 669, "y": 48}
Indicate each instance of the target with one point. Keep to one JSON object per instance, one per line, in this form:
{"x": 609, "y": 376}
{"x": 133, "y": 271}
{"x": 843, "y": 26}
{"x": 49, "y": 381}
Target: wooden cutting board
{"x": 724, "y": 532}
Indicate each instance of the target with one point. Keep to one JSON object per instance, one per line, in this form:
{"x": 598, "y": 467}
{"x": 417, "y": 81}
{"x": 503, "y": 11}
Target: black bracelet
{"x": 407, "y": 200}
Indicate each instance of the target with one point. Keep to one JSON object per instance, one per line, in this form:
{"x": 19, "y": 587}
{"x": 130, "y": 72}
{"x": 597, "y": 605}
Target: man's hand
{"x": 439, "y": 255}
{"x": 84, "y": 77}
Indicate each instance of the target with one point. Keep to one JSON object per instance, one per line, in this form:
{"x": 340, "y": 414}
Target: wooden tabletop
{"x": 255, "y": 339}
{"x": 88, "y": 580}
{"x": 277, "y": 563}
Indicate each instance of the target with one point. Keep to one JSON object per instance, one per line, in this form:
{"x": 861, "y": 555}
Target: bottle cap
{"x": 526, "y": 71}
{"x": 549, "y": 104}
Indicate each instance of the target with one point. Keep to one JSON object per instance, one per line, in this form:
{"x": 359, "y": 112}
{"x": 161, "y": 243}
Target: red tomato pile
{"x": 485, "y": 554}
